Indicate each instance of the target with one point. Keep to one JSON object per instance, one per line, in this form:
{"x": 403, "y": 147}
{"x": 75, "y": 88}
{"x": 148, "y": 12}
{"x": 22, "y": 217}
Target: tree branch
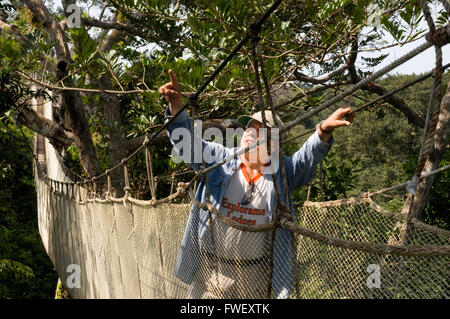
{"x": 115, "y": 36}
{"x": 47, "y": 128}
{"x": 53, "y": 27}
{"x": 114, "y": 25}
{"x": 398, "y": 103}
{"x": 314, "y": 90}
{"x": 376, "y": 88}
{"x": 75, "y": 89}
{"x": 304, "y": 78}
{"x": 350, "y": 61}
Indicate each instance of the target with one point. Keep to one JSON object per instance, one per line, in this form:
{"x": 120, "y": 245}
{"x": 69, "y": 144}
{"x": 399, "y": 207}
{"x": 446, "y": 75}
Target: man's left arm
{"x": 301, "y": 166}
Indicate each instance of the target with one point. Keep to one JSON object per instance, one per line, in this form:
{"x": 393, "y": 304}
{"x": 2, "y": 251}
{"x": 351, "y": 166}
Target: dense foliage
{"x": 25, "y": 269}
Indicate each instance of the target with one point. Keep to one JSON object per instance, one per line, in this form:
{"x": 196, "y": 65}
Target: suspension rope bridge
{"x": 127, "y": 247}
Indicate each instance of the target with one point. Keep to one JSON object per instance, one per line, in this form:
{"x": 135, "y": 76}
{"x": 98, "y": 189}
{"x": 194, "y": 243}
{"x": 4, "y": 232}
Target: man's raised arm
{"x": 301, "y": 166}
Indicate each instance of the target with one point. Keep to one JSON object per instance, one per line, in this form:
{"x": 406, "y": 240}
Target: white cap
{"x": 245, "y": 119}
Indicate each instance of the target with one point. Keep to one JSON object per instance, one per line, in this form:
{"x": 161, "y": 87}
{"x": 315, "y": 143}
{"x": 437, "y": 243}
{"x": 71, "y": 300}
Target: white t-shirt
{"x": 231, "y": 242}
{"x": 255, "y": 212}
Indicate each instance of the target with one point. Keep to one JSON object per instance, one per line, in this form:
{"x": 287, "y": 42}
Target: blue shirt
{"x": 299, "y": 168}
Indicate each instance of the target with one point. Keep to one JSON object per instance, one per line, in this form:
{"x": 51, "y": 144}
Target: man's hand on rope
{"x": 335, "y": 120}
{"x": 172, "y": 92}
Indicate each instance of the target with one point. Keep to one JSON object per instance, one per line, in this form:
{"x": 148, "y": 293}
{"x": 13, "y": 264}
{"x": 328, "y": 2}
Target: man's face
{"x": 253, "y": 133}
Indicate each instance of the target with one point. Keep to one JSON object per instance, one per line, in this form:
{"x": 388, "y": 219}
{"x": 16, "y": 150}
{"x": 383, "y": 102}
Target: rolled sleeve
{"x": 322, "y": 146}
{"x": 182, "y": 118}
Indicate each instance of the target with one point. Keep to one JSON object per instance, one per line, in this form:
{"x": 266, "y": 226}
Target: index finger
{"x": 173, "y": 78}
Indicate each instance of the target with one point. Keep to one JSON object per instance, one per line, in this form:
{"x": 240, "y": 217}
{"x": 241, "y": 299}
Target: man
{"x": 217, "y": 260}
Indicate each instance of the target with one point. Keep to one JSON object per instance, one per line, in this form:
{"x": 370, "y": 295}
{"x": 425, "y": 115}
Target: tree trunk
{"x": 415, "y": 204}
{"x": 117, "y": 151}
{"x": 83, "y": 139}
{"x": 440, "y": 145}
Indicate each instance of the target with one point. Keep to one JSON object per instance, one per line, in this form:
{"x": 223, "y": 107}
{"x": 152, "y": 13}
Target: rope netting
{"x": 330, "y": 271}
{"x": 128, "y": 247}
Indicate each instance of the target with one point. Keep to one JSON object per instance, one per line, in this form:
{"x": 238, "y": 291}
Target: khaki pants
{"x": 230, "y": 279}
